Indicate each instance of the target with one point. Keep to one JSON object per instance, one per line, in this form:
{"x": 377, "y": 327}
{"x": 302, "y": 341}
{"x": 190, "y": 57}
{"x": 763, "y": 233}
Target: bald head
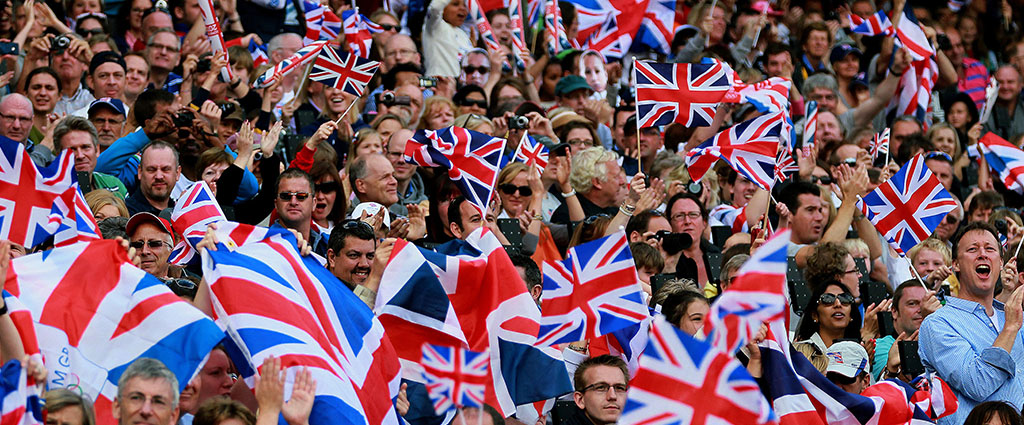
{"x": 16, "y": 114}
{"x": 400, "y": 49}
{"x": 283, "y": 45}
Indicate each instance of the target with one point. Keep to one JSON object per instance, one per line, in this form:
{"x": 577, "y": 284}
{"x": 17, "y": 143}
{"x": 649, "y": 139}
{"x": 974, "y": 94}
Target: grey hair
{"x": 148, "y": 368}
{"x": 160, "y": 30}
{"x": 734, "y": 263}
{"x": 275, "y": 43}
{"x": 359, "y": 169}
{"x": 820, "y": 81}
{"x": 588, "y": 165}
{"x": 74, "y": 123}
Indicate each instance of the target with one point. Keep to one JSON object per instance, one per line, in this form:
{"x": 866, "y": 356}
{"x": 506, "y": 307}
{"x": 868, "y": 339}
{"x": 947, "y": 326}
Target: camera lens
{"x": 694, "y": 188}
{"x": 387, "y": 98}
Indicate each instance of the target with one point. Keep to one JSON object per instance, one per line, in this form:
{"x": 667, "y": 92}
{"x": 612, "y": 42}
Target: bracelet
{"x": 627, "y": 209}
{"x": 571, "y": 192}
{"x": 538, "y": 216}
{"x": 894, "y": 72}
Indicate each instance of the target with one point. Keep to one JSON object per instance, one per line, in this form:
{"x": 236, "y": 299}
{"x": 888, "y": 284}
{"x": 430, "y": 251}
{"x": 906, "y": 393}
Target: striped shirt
{"x": 974, "y": 81}
{"x": 956, "y": 343}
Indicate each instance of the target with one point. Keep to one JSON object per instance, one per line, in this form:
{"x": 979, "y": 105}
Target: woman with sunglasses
{"x": 471, "y": 99}
{"x": 830, "y": 315}
{"x": 329, "y": 200}
{"x": 522, "y": 196}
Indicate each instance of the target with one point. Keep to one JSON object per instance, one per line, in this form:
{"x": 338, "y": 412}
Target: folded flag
{"x": 29, "y": 208}
{"x": 749, "y": 147}
{"x": 908, "y": 207}
{"x": 557, "y": 40}
{"x": 275, "y": 302}
{"x": 1005, "y": 159}
{"x": 95, "y": 313}
{"x": 767, "y": 96}
{"x": 258, "y": 52}
{"x": 685, "y": 380}
{"x": 472, "y": 159}
{"x": 909, "y": 34}
{"x": 455, "y": 377}
{"x": 688, "y": 94}
{"x": 194, "y": 210}
{"x": 593, "y": 292}
{"x": 79, "y": 224}
{"x": 301, "y": 57}
{"x": 810, "y": 125}
{"x": 215, "y": 35}
{"x": 343, "y": 71}
{"x": 359, "y": 31}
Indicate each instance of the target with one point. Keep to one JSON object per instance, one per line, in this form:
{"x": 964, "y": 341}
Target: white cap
{"x": 847, "y": 358}
{"x": 371, "y": 208}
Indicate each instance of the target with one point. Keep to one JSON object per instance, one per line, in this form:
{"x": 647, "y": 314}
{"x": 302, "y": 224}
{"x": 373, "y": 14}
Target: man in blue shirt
{"x": 974, "y": 341}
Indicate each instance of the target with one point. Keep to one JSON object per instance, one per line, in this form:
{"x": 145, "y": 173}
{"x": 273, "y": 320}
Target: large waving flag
{"x": 321, "y": 23}
{"x": 749, "y": 147}
{"x": 29, "y": 210}
{"x": 1005, "y": 159}
{"x": 657, "y": 27}
{"x": 95, "y": 313}
{"x": 275, "y": 302}
{"x": 593, "y": 292}
{"x": 626, "y": 343}
{"x": 19, "y": 396}
{"x": 688, "y": 94}
{"x": 289, "y": 65}
{"x": 758, "y": 296}
{"x": 687, "y": 381}
{"x": 472, "y": 159}
{"x": 342, "y": 70}
{"x": 643, "y": 24}
{"x": 877, "y": 24}
{"x": 455, "y": 377}
{"x": 908, "y": 207}
{"x": 530, "y": 149}
{"x": 608, "y": 40}
{"x": 468, "y": 294}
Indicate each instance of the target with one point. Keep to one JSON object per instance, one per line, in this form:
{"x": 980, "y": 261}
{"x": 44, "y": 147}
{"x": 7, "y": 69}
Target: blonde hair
{"x": 472, "y": 121}
{"x": 430, "y": 105}
{"x": 511, "y": 170}
{"x": 956, "y": 136}
{"x": 361, "y": 137}
{"x": 589, "y": 164}
{"x": 857, "y": 245}
{"x": 100, "y": 198}
{"x": 933, "y": 244}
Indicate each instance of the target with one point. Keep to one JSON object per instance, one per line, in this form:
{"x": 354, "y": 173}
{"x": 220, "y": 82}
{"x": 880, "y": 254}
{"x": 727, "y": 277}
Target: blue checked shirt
{"x": 956, "y": 343}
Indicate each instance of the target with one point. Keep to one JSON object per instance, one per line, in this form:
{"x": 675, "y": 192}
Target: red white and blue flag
{"x": 609, "y": 40}
{"x": 877, "y": 24}
{"x": 785, "y": 164}
{"x": 94, "y": 314}
{"x": 1005, "y": 159}
{"x": 688, "y": 94}
{"x": 771, "y": 95}
{"x": 19, "y": 396}
{"x": 472, "y": 159}
{"x": 289, "y": 65}
{"x": 908, "y": 207}
{"x": 468, "y": 294}
{"x": 591, "y": 293}
{"x": 914, "y": 94}
{"x": 258, "y": 52}
{"x": 515, "y": 13}
{"x": 483, "y": 26}
{"x": 455, "y": 377}
{"x": 557, "y": 40}
{"x": 344, "y": 71}
{"x": 626, "y": 343}
{"x": 688, "y": 381}
{"x": 810, "y": 125}
{"x": 321, "y": 23}
{"x": 903, "y": 403}
{"x": 29, "y": 195}
{"x": 880, "y": 144}
{"x": 275, "y": 302}
{"x": 749, "y": 147}
{"x": 359, "y": 31}
{"x": 79, "y": 224}
{"x": 530, "y": 149}
{"x": 909, "y": 34}
{"x": 647, "y": 24}
{"x": 194, "y": 210}
{"x": 757, "y": 296}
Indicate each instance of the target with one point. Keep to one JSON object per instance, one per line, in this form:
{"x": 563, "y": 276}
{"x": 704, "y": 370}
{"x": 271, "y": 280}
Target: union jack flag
{"x": 95, "y": 314}
{"x": 1005, "y": 159}
{"x": 79, "y": 224}
{"x": 810, "y": 125}
{"x": 771, "y": 95}
{"x": 880, "y": 144}
{"x": 515, "y": 13}
{"x": 321, "y": 23}
{"x": 903, "y": 401}
{"x": 909, "y": 34}
{"x": 877, "y": 24}
{"x": 757, "y": 296}
{"x": 534, "y": 13}
{"x": 287, "y": 66}
{"x": 592, "y": 292}
{"x": 658, "y": 26}
{"x": 343, "y": 71}
{"x": 19, "y": 396}
{"x": 258, "y": 53}
{"x": 626, "y": 343}
{"x": 684, "y": 93}
{"x": 557, "y": 40}
{"x": 359, "y": 31}
{"x": 609, "y": 40}
{"x": 455, "y": 377}
{"x": 472, "y": 159}
{"x": 785, "y": 164}
{"x": 528, "y": 149}
{"x": 276, "y": 302}
{"x": 194, "y": 210}
{"x": 684, "y": 380}
{"x": 908, "y": 207}
{"x": 30, "y": 210}
{"x": 749, "y": 147}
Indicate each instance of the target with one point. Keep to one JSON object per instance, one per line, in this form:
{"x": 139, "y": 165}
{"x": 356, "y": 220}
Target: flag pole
{"x": 636, "y": 106}
{"x": 764, "y": 13}
{"x": 345, "y": 114}
{"x": 914, "y": 270}
{"x": 1018, "y": 247}
{"x": 711, "y": 14}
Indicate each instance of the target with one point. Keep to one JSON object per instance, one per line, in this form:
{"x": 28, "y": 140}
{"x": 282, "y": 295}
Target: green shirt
{"x": 109, "y": 182}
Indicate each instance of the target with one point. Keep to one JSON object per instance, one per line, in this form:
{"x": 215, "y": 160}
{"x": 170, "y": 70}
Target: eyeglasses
{"x": 580, "y": 142}
{"x": 692, "y": 215}
{"x": 510, "y": 189}
{"x": 287, "y": 196}
{"x": 15, "y": 118}
{"x": 479, "y": 103}
{"x": 602, "y": 388}
{"x": 469, "y": 70}
{"x": 853, "y": 270}
{"x": 327, "y": 187}
{"x": 829, "y": 299}
{"x": 158, "y": 46}
{"x": 592, "y": 219}
{"x": 400, "y": 52}
{"x": 89, "y": 33}
{"x": 822, "y": 179}
{"x": 952, "y": 220}
{"x": 389, "y": 27}
{"x": 152, "y": 244}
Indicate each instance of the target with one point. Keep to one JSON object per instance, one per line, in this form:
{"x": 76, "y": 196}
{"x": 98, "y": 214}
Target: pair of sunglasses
{"x": 510, "y": 189}
{"x": 287, "y": 196}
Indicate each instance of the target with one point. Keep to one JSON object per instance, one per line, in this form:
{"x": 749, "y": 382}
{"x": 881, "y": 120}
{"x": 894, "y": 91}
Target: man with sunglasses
{"x": 294, "y": 207}
{"x": 151, "y": 236}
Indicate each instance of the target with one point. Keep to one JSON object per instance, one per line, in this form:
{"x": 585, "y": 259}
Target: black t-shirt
{"x": 561, "y": 214}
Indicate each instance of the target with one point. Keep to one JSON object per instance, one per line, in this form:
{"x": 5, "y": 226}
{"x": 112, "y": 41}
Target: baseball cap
{"x": 116, "y": 104}
{"x": 860, "y": 79}
{"x": 847, "y": 358}
{"x": 104, "y": 57}
{"x": 231, "y": 111}
{"x": 842, "y": 50}
{"x": 571, "y": 83}
{"x": 371, "y": 208}
{"x": 147, "y": 217}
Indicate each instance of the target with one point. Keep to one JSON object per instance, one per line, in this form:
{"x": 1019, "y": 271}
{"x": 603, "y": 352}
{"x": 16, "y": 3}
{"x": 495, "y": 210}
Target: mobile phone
{"x": 885, "y": 324}
{"x": 428, "y": 82}
{"x": 8, "y": 48}
{"x": 510, "y": 228}
{"x": 872, "y": 293}
{"x": 84, "y": 181}
{"x": 910, "y": 360}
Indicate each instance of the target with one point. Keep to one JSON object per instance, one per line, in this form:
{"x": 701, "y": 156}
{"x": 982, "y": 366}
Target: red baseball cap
{"x": 146, "y": 217}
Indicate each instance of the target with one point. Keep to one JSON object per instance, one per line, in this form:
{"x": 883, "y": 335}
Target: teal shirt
{"x": 882, "y": 346}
